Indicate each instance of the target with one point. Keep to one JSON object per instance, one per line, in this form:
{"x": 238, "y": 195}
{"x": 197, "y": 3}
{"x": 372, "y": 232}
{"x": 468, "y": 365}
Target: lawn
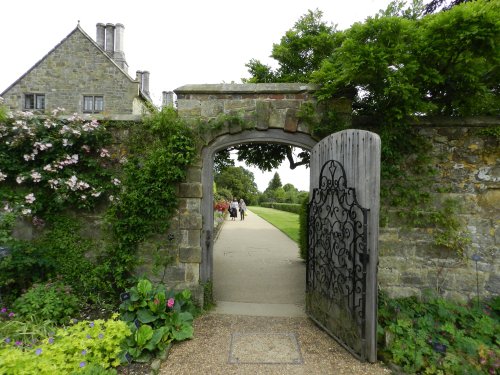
{"x": 286, "y": 222}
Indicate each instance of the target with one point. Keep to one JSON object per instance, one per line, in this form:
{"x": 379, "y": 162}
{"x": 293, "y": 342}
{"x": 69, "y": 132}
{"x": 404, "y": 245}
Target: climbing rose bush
{"x": 51, "y": 162}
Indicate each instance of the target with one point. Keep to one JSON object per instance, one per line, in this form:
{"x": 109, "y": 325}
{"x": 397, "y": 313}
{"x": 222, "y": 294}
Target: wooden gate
{"x": 341, "y": 285}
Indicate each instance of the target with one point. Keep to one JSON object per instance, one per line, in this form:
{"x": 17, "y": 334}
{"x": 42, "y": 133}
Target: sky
{"x": 179, "y": 42}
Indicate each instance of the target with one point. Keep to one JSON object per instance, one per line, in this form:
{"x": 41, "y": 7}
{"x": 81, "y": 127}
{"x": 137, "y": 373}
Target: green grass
{"x": 286, "y": 222}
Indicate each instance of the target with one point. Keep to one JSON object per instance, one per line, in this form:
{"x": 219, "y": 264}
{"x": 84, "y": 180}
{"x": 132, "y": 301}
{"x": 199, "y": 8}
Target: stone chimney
{"x": 167, "y": 99}
{"x": 100, "y": 32}
{"x": 118, "y": 54}
{"x": 110, "y": 39}
{"x": 145, "y": 82}
{"x": 138, "y": 78}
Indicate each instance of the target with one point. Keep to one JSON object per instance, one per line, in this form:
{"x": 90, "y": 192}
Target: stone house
{"x": 83, "y": 76}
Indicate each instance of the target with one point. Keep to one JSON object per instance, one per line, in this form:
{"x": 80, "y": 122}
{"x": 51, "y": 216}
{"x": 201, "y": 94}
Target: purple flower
{"x": 91, "y": 324}
{"x": 7, "y": 340}
{"x": 3, "y": 310}
{"x": 38, "y": 351}
{"x": 11, "y": 315}
{"x": 51, "y": 340}
{"x": 101, "y": 335}
{"x": 82, "y": 364}
{"x": 18, "y": 343}
{"x": 84, "y": 352}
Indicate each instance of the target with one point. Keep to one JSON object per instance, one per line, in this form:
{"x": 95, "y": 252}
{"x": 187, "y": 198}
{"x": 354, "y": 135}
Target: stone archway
{"x": 244, "y": 113}
{"x": 269, "y": 113}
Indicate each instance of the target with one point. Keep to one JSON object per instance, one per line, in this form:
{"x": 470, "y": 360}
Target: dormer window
{"x": 34, "y": 101}
{"x": 93, "y": 104}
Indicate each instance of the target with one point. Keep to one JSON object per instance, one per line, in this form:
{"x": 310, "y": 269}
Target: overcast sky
{"x": 179, "y": 42}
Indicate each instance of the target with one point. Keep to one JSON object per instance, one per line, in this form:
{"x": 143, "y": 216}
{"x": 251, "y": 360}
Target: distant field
{"x": 286, "y": 222}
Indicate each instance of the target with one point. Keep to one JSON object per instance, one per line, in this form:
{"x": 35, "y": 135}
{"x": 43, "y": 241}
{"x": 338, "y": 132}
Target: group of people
{"x": 236, "y": 207}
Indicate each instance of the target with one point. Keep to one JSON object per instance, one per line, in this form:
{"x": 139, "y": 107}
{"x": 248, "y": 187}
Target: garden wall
{"x": 467, "y": 160}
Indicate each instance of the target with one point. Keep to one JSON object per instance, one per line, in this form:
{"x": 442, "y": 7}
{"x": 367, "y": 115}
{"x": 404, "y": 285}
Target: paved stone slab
{"x": 264, "y": 348}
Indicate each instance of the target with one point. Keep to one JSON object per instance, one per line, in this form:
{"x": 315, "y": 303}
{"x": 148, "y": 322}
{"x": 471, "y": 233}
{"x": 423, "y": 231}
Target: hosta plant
{"x": 156, "y": 317}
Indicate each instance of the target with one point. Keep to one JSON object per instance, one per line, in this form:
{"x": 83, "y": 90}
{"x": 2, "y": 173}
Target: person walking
{"x": 243, "y": 208}
{"x": 233, "y": 209}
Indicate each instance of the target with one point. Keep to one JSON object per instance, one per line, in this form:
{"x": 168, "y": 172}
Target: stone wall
{"x": 468, "y": 165}
{"x": 74, "y": 68}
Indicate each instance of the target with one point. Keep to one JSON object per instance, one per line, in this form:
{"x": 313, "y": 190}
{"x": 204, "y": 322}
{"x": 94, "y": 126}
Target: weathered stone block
{"x": 189, "y": 108}
{"x": 262, "y": 114}
{"x": 190, "y": 254}
{"x": 190, "y": 238}
{"x": 189, "y": 205}
{"x": 388, "y": 277}
{"x": 190, "y": 190}
{"x": 190, "y": 221}
{"x": 192, "y": 273}
{"x": 193, "y": 175}
{"x": 212, "y": 108}
{"x": 277, "y": 119}
{"x": 239, "y": 105}
{"x": 291, "y": 121}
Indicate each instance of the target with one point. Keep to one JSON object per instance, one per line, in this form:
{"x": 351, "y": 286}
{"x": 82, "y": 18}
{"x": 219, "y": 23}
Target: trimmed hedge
{"x": 303, "y": 229}
{"x": 288, "y": 207}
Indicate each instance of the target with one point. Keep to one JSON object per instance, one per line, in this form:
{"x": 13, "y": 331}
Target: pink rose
{"x": 170, "y": 303}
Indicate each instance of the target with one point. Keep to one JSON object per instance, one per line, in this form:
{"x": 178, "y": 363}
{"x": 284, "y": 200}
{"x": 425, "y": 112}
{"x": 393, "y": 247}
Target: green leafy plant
{"x": 156, "y": 317}
{"x": 47, "y": 301}
{"x": 436, "y": 336}
{"x": 96, "y": 344}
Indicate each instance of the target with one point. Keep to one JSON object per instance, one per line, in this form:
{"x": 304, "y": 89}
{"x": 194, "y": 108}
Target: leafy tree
{"x": 275, "y": 182}
{"x": 239, "y": 181}
{"x": 299, "y": 53}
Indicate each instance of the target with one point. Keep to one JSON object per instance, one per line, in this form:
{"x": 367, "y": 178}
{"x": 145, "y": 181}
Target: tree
{"x": 239, "y": 181}
{"x": 299, "y": 53}
{"x": 275, "y": 182}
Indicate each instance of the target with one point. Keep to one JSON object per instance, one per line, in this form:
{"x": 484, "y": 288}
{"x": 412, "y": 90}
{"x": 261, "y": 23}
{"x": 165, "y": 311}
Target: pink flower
{"x": 30, "y": 198}
{"x": 170, "y": 303}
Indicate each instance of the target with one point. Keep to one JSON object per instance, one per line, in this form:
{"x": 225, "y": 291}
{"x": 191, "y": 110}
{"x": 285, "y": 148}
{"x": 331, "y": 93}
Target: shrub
{"x": 49, "y": 301}
{"x": 437, "y": 336}
{"x": 156, "y": 317}
{"x": 288, "y": 207}
{"x": 95, "y": 344}
{"x": 303, "y": 229}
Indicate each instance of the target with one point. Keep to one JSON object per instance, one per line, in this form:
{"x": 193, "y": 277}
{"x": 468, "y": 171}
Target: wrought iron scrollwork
{"x": 337, "y": 260}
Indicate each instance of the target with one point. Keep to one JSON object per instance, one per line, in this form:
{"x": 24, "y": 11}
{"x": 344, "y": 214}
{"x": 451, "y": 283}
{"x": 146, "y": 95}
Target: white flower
{"x": 54, "y": 184}
{"x": 48, "y": 168}
{"x": 19, "y": 179}
{"x": 7, "y": 208}
{"x": 3, "y": 176}
{"x": 36, "y": 176}
{"x": 30, "y": 198}
{"x": 104, "y": 153}
{"x": 111, "y": 198}
{"x": 116, "y": 182}
{"x": 26, "y": 211}
{"x": 71, "y": 182}
{"x": 96, "y": 193}
{"x": 27, "y": 157}
{"x": 86, "y": 148}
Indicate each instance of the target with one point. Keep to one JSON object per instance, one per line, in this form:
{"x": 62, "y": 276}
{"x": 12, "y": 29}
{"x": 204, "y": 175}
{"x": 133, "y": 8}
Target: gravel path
{"x": 210, "y": 351}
